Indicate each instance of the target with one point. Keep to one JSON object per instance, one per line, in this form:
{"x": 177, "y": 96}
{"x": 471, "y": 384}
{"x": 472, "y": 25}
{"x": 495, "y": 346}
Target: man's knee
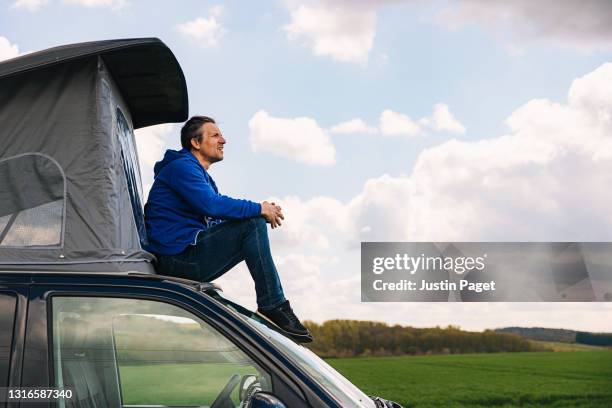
{"x": 253, "y": 225}
{"x": 258, "y": 222}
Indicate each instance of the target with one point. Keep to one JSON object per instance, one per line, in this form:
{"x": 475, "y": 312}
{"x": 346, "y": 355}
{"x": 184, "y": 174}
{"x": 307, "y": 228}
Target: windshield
{"x": 341, "y": 388}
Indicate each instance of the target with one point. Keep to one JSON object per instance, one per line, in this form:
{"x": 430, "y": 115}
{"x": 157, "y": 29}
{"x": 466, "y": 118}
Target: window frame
{"x": 135, "y": 192}
{"x": 213, "y": 332}
{"x": 4, "y": 231}
{"x": 11, "y": 338}
{"x": 16, "y": 286}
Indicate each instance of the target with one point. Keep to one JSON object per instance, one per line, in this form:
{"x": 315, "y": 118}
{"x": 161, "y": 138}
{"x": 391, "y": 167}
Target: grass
{"x": 559, "y": 346}
{"x": 177, "y": 384}
{"x": 570, "y": 379}
{"x": 535, "y": 379}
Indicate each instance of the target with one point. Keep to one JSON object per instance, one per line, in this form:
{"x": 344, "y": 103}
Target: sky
{"x": 385, "y": 120}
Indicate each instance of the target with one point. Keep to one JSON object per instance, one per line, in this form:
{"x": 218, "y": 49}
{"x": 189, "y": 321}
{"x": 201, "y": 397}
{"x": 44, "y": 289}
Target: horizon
{"x": 461, "y": 328}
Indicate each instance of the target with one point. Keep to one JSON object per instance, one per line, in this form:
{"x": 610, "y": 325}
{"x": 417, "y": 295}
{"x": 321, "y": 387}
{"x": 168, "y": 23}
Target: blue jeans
{"x": 221, "y": 247}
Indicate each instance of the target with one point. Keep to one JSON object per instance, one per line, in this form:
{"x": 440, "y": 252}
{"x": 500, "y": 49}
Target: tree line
{"x": 594, "y": 339}
{"x": 541, "y": 333}
{"x": 351, "y": 338}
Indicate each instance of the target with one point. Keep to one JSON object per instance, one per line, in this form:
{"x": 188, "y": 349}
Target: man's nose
{"x": 222, "y": 140}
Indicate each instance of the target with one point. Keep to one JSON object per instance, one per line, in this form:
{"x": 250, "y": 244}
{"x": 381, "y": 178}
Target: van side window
{"x": 117, "y": 352}
{"x": 7, "y": 321}
{"x": 131, "y": 168}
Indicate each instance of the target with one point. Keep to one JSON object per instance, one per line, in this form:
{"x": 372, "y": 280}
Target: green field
{"x": 531, "y": 379}
{"x": 570, "y": 379}
{"x": 177, "y": 384}
{"x": 560, "y": 346}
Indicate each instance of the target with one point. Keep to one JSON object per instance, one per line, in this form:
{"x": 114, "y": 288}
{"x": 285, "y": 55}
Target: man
{"x": 199, "y": 234}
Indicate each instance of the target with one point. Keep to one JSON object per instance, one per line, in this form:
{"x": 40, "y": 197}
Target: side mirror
{"x": 264, "y": 399}
{"x": 249, "y": 386}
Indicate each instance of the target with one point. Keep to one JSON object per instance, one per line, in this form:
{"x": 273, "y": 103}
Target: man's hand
{"x": 272, "y": 213}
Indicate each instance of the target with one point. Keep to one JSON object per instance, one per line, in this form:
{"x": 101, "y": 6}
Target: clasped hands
{"x": 272, "y": 213}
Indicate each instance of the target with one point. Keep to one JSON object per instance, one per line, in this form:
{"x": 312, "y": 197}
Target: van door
{"x": 138, "y": 352}
{"x": 117, "y": 350}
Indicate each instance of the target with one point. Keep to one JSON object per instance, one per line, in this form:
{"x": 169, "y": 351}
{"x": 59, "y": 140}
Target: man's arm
{"x": 189, "y": 183}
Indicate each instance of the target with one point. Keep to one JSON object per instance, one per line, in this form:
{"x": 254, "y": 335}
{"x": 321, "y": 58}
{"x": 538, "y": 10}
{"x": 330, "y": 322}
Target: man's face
{"x": 211, "y": 144}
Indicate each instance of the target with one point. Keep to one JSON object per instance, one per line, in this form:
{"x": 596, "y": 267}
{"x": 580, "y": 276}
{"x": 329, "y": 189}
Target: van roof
{"x": 82, "y": 277}
{"x": 146, "y": 71}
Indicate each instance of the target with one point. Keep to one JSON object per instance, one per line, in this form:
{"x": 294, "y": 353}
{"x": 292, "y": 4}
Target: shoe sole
{"x": 298, "y": 338}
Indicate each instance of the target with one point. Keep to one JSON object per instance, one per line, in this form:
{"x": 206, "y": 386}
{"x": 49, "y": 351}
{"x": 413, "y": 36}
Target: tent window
{"x": 32, "y": 201}
{"x": 132, "y": 173}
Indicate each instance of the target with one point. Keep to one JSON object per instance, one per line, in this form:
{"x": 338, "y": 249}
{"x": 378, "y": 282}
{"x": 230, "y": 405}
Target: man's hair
{"x": 191, "y": 129}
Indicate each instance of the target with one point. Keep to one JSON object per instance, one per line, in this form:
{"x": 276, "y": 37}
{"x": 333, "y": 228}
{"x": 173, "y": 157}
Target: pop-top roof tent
{"x": 70, "y": 187}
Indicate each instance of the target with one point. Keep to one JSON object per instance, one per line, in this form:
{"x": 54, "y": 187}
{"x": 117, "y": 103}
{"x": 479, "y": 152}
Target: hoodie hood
{"x": 172, "y": 155}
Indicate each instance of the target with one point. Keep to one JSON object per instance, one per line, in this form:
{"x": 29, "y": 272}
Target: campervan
{"x": 84, "y": 319}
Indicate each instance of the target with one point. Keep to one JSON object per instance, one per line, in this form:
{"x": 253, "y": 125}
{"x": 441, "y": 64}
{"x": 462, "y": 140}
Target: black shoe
{"x": 284, "y": 318}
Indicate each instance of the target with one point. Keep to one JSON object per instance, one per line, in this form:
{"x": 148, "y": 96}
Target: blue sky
{"x": 328, "y": 62}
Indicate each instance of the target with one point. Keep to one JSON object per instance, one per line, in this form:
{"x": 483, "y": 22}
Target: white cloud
{"x": 151, "y": 143}
{"x": 592, "y": 94}
{"x": 586, "y": 27}
{"x": 397, "y": 124}
{"x": 113, "y": 4}
{"x": 7, "y": 50}
{"x": 443, "y": 120}
{"x": 356, "y": 125}
{"x": 542, "y": 181}
{"x": 300, "y": 139}
{"x": 345, "y": 30}
{"x": 30, "y": 5}
{"x": 313, "y": 224}
{"x": 207, "y": 31}
{"x": 342, "y": 31}
{"x": 301, "y": 279}
{"x": 378, "y": 213}
{"x": 393, "y": 123}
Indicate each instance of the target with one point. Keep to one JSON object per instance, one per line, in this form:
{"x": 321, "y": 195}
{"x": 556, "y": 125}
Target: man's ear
{"x": 195, "y": 143}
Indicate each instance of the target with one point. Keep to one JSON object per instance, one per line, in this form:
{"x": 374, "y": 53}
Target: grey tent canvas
{"x": 70, "y": 187}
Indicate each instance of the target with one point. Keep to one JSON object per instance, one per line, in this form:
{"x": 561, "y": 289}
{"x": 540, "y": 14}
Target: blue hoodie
{"x": 183, "y": 201}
